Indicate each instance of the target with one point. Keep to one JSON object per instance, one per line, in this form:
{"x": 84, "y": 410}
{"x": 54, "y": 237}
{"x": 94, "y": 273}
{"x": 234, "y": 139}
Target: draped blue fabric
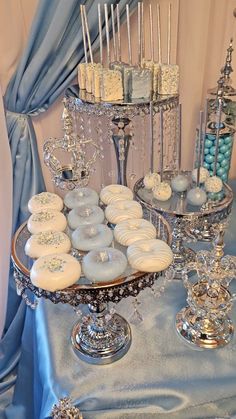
{"x": 47, "y": 67}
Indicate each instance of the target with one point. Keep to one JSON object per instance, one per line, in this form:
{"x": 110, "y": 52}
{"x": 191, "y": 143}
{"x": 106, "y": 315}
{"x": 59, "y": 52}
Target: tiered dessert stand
{"x": 119, "y": 116}
{"x": 188, "y": 223}
{"x": 101, "y": 337}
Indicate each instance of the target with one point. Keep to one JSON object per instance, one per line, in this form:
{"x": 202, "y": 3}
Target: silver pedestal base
{"x": 202, "y": 332}
{"x": 101, "y": 344}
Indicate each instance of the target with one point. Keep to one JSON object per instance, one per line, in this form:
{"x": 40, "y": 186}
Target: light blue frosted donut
{"x": 87, "y": 214}
{"x": 81, "y": 196}
{"x": 92, "y": 236}
{"x": 104, "y": 264}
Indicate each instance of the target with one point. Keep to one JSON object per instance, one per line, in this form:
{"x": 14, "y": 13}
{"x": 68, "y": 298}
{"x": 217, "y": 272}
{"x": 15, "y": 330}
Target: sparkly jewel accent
{"x": 42, "y": 216}
{"x": 54, "y": 265}
{"x": 65, "y": 410}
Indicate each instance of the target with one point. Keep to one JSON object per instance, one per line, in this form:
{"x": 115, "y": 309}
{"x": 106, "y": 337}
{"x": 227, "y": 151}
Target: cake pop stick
{"x": 118, "y": 31}
{"x": 217, "y": 136}
{"x": 169, "y": 35}
{"x": 161, "y": 145}
{"x": 83, "y": 32}
{"x": 159, "y": 33}
{"x": 139, "y": 35}
{"x": 180, "y": 138}
{"x": 152, "y": 139}
{"x": 113, "y": 32}
{"x": 88, "y": 35}
{"x": 199, "y": 148}
{"x": 142, "y": 33}
{"x": 151, "y": 33}
{"x": 100, "y": 31}
{"x": 129, "y": 35}
{"x": 107, "y": 34}
{"x": 204, "y": 134}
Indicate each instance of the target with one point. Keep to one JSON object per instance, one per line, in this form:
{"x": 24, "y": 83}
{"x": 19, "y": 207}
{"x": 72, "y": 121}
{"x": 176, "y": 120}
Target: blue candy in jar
{"x": 208, "y": 144}
{"x": 209, "y": 158}
{"x": 228, "y": 140}
{"x": 220, "y": 157}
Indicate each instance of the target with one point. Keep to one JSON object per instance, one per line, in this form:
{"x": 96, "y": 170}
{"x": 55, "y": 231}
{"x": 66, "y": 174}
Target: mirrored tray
{"x": 101, "y": 337}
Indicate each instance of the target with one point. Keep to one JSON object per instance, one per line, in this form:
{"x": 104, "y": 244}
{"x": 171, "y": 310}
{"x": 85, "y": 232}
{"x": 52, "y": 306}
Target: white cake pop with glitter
{"x": 162, "y": 192}
{"x": 151, "y": 180}
{"x": 213, "y": 184}
{"x": 204, "y": 174}
{"x": 179, "y": 183}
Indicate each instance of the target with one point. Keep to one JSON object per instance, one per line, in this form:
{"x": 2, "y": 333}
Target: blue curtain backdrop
{"x": 47, "y": 67}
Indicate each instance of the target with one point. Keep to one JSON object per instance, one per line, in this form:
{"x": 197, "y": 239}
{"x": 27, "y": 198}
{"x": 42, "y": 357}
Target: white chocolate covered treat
{"x": 112, "y": 193}
{"x": 97, "y": 82}
{"x": 47, "y": 243}
{"x": 130, "y": 231}
{"x": 125, "y": 70}
{"x": 82, "y": 75}
{"x": 179, "y": 183}
{"x": 204, "y": 174}
{"x": 162, "y": 192}
{"x": 89, "y": 77}
{"x": 87, "y": 214}
{"x": 141, "y": 83}
{"x": 149, "y": 255}
{"x": 123, "y": 210}
{"x": 151, "y": 180}
{"x": 168, "y": 79}
{"x": 81, "y": 196}
{"x": 45, "y": 201}
{"x": 47, "y": 220}
{"x": 213, "y": 184}
{"x": 196, "y": 196}
{"x": 104, "y": 264}
{"x": 112, "y": 86}
{"x": 55, "y": 272}
{"x": 90, "y": 237}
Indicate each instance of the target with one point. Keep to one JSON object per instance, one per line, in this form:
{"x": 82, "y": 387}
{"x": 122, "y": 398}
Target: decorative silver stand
{"x": 119, "y": 115}
{"x": 101, "y": 337}
{"x": 205, "y": 322}
{"x": 188, "y": 223}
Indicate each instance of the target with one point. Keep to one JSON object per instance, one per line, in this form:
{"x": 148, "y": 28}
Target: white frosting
{"x": 112, "y": 193}
{"x": 123, "y": 210}
{"x": 213, "y": 184}
{"x": 81, "y": 196}
{"x": 149, "y": 255}
{"x": 196, "y": 196}
{"x": 179, "y": 183}
{"x": 162, "y": 192}
{"x": 151, "y": 180}
{"x": 204, "y": 174}
{"x": 46, "y": 221}
{"x": 87, "y": 214}
{"x": 55, "y": 272}
{"x": 47, "y": 243}
{"x": 104, "y": 264}
{"x": 130, "y": 231}
{"x": 45, "y": 201}
{"x": 90, "y": 237}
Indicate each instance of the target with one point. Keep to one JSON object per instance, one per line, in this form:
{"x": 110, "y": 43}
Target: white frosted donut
{"x": 162, "y": 192}
{"x": 45, "y": 201}
{"x": 46, "y": 221}
{"x": 55, "y": 272}
{"x": 204, "y": 174}
{"x": 47, "y": 243}
{"x": 112, "y": 193}
{"x": 90, "y": 237}
{"x": 130, "y": 231}
{"x": 213, "y": 184}
{"x": 81, "y": 196}
{"x": 87, "y": 214}
{"x": 123, "y": 210}
{"x": 104, "y": 264}
{"x": 149, "y": 255}
{"x": 151, "y": 180}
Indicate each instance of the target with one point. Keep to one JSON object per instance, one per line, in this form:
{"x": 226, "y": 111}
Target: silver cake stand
{"x": 101, "y": 337}
{"x": 188, "y": 223}
{"x": 120, "y": 114}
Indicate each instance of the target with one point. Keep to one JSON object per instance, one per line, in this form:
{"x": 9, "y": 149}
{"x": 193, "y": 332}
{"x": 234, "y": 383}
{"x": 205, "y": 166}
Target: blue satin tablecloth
{"x": 160, "y": 377}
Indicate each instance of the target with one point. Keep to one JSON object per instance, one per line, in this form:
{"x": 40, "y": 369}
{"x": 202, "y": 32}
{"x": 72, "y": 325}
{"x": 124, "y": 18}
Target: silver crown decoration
{"x": 77, "y": 171}
{"x": 65, "y": 410}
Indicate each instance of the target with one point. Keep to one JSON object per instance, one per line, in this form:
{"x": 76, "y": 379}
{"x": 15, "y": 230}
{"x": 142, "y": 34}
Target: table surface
{"x": 160, "y": 376}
